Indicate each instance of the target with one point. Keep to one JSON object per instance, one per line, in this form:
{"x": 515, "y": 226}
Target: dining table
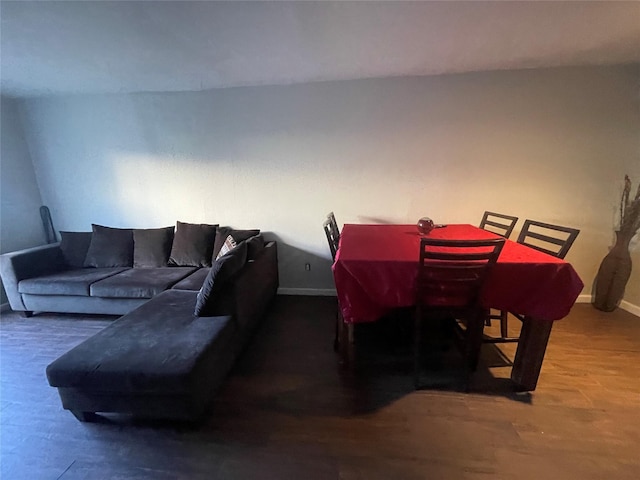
{"x": 375, "y": 272}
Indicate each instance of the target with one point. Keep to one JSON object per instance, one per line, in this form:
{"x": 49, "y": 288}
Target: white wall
{"x": 20, "y": 225}
{"x": 552, "y": 145}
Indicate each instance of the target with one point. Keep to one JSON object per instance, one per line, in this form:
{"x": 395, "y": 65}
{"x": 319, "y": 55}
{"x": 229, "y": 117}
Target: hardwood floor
{"x": 289, "y": 411}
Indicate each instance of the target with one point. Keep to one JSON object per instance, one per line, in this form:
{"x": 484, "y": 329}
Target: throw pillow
{"x": 74, "y": 246}
{"x": 152, "y": 246}
{"x": 255, "y": 245}
{"x": 193, "y": 245}
{"x": 228, "y": 245}
{"x": 110, "y": 247}
{"x": 238, "y": 235}
{"x": 221, "y": 272}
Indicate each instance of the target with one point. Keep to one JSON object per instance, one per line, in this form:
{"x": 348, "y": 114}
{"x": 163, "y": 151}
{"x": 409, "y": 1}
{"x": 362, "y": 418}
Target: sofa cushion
{"x": 74, "y": 246}
{"x": 222, "y": 270}
{"x": 193, "y": 282}
{"x": 158, "y": 348}
{"x": 110, "y": 247}
{"x": 152, "y": 247}
{"x": 238, "y": 235}
{"x": 69, "y": 282}
{"x": 193, "y": 245}
{"x": 139, "y": 282}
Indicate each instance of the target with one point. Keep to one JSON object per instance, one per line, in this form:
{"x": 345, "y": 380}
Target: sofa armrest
{"x": 256, "y": 285}
{"x": 28, "y": 263}
{"x": 251, "y": 290}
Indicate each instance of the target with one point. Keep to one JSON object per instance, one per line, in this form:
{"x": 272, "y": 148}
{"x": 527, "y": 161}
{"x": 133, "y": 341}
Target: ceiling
{"x": 64, "y": 47}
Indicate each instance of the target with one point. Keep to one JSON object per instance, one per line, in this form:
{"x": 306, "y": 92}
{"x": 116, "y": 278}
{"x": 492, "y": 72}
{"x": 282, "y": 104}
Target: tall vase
{"x": 613, "y": 275}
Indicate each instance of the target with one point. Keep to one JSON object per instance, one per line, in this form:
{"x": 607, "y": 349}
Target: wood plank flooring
{"x": 289, "y": 411}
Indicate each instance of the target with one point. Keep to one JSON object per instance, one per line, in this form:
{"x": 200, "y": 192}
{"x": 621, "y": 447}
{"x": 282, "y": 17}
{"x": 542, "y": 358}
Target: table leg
{"x": 530, "y": 353}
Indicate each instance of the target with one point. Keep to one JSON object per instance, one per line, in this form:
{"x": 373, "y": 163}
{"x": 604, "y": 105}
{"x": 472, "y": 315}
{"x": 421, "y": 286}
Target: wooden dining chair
{"x": 498, "y": 223}
{"x": 333, "y": 239}
{"x": 451, "y": 274}
{"x": 502, "y": 225}
{"x": 554, "y": 240}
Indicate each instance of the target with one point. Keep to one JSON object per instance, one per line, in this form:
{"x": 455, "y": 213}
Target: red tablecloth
{"x": 376, "y": 268}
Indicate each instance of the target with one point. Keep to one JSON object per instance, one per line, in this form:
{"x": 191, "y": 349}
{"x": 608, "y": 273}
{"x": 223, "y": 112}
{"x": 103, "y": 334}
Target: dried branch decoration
{"x": 629, "y": 209}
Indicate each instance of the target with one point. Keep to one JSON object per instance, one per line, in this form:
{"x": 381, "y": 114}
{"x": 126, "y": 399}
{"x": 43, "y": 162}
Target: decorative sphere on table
{"x": 425, "y": 225}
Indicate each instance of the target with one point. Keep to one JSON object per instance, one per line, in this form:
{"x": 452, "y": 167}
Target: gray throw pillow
{"x": 152, "y": 247}
{"x": 74, "y": 246}
{"x": 193, "y": 245}
{"x": 238, "y": 236}
{"x": 221, "y": 273}
{"x": 110, "y": 247}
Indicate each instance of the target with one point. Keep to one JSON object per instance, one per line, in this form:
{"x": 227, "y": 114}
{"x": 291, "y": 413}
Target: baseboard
{"x": 314, "y": 292}
{"x": 630, "y": 307}
{"x": 584, "y": 298}
{"x": 624, "y": 305}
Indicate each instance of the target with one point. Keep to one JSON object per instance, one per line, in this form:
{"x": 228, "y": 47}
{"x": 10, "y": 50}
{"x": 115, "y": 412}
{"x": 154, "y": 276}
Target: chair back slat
{"x": 498, "y": 223}
{"x": 554, "y": 240}
{"x": 464, "y": 257}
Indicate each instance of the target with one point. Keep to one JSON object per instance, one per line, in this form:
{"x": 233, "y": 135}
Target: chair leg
{"x": 336, "y": 339}
{"x": 346, "y": 340}
{"x": 417, "y": 333}
{"x": 473, "y": 340}
{"x": 504, "y": 331}
{"x": 472, "y": 345}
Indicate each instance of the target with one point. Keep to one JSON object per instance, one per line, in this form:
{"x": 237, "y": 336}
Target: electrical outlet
{"x": 307, "y": 267}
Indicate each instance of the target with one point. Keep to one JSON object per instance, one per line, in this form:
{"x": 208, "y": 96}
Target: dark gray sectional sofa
{"x": 182, "y": 326}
